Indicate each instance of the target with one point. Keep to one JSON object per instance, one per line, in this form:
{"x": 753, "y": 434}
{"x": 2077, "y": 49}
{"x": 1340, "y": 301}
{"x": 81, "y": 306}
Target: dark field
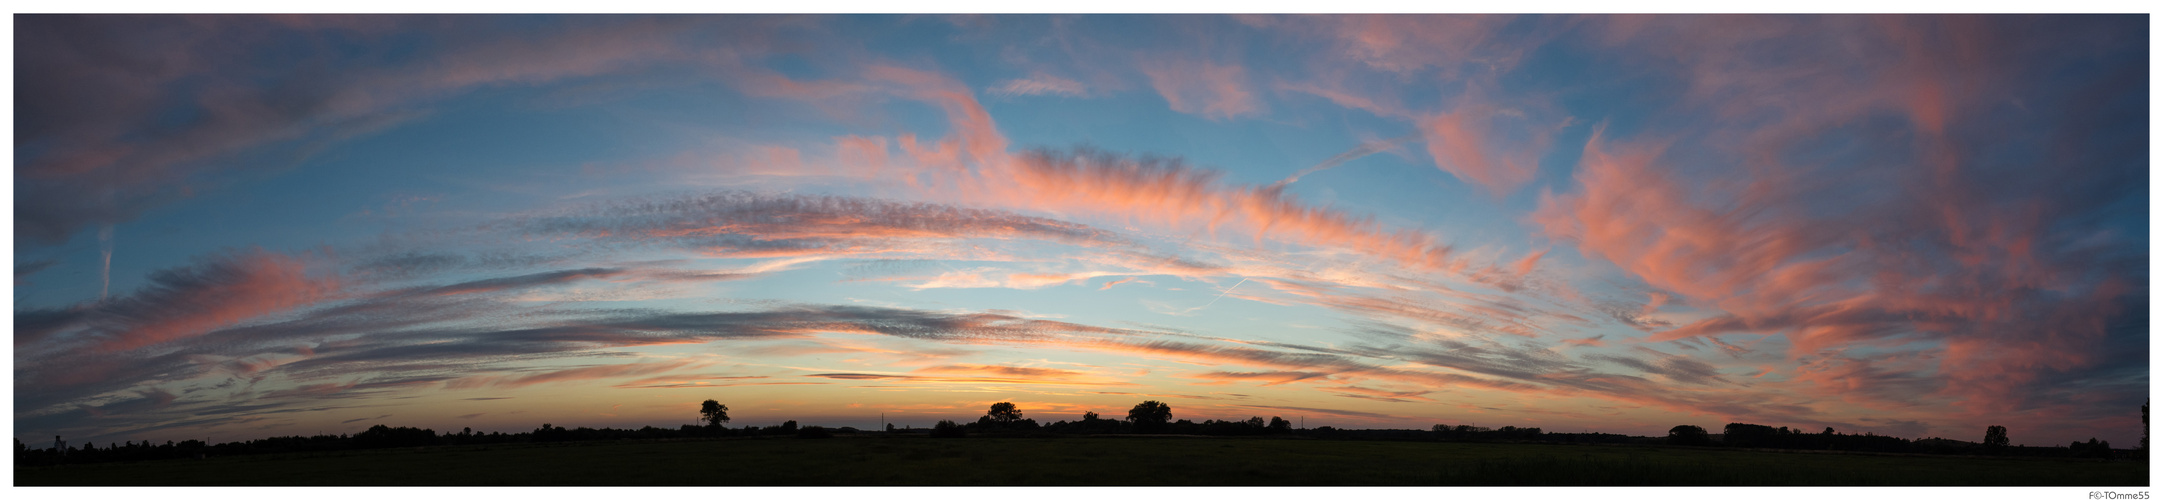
{"x": 1099, "y": 461}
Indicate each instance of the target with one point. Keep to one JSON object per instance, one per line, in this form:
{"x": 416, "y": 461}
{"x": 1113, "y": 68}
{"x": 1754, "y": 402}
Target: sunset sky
{"x": 230, "y": 228}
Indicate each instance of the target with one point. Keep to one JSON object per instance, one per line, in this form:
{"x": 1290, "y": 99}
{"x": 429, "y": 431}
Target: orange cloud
{"x": 1008, "y": 371}
{"x": 1266, "y": 378}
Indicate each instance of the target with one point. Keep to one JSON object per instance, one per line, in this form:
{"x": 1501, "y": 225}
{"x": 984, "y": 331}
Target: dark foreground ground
{"x": 1099, "y": 461}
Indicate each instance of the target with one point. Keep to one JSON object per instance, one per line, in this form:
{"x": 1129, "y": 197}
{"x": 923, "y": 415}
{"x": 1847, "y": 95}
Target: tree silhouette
{"x": 383, "y": 436}
{"x": 1994, "y": 437}
{"x": 947, "y": 428}
{"x": 1279, "y": 424}
{"x": 2091, "y": 449}
{"x": 1150, "y": 416}
{"x": 1688, "y": 435}
{"x": 1003, "y": 413}
{"x": 713, "y": 412}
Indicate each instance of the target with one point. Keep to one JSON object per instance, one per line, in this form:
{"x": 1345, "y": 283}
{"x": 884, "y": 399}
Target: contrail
{"x": 1341, "y": 158}
{"x": 105, "y": 252}
{"x": 1227, "y": 291}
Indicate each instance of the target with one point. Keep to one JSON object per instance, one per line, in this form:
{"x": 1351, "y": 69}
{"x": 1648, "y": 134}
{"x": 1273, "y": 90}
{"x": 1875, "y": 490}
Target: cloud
{"x": 1153, "y": 189}
{"x": 1121, "y": 281}
{"x": 1593, "y": 341}
{"x": 1211, "y": 90}
{"x": 566, "y": 375}
{"x": 920, "y": 379}
{"x": 1913, "y": 240}
{"x": 1460, "y": 143}
{"x": 734, "y": 223}
{"x": 1266, "y": 378}
{"x": 24, "y": 270}
{"x": 517, "y": 282}
{"x": 973, "y": 130}
{"x": 1676, "y": 368}
{"x": 96, "y": 86}
{"x": 1353, "y": 391}
{"x": 1009, "y": 371}
{"x": 184, "y": 302}
{"x": 1038, "y": 85}
{"x": 1409, "y": 44}
{"x": 1168, "y": 191}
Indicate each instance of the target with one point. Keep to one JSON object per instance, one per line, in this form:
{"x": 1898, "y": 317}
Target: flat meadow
{"x": 872, "y": 460}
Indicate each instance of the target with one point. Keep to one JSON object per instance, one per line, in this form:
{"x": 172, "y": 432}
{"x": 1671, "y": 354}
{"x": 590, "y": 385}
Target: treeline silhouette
{"x": 1741, "y": 435}
{"x": 1006, "y": 420}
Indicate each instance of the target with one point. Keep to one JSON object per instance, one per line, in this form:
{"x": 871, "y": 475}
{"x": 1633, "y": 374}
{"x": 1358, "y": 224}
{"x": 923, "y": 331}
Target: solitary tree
{"x": 1003, "y": 413}
{"x": 713, "y": 412}
{"x": 1994, "y": 437}
{"x": 1150, "y": 416}
{"x": 1279, "y": 424}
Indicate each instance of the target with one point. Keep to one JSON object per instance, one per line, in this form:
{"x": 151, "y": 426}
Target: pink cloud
{"x": 1214, "y": 91}
{"x": 973, "y": 128}
{"x": 1121, "y": 281}
{"x": 1460, "y": 143}
{"x": 187, "y": 302}
{"x": 866, "y": 154}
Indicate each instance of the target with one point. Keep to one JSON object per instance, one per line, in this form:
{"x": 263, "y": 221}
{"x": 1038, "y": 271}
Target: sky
{"x": 235, "y": 227}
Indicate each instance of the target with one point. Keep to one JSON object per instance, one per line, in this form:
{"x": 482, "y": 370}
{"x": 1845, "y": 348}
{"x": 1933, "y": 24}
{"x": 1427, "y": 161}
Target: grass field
{"x": 1100, "y": 461}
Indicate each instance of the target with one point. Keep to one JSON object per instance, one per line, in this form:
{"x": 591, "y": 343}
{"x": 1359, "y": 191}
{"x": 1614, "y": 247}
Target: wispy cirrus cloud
{"x": 101, "y": 157}
{"x": 1038, "y": 85}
